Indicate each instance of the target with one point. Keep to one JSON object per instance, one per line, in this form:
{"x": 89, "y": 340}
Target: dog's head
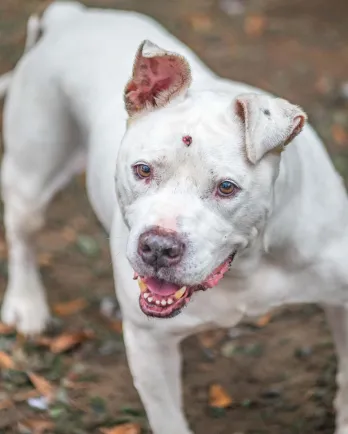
{"x": 195, "y": 177}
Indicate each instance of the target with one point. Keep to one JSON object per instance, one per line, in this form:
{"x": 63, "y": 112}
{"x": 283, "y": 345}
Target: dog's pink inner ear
{"x": 156, "y": 80}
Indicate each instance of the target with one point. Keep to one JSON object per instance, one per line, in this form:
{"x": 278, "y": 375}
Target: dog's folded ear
{"x": 269, "y": 123}
{"x": 158, "y": 77}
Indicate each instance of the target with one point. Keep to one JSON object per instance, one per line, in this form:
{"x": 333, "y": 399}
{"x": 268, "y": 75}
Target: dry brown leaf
{"x": 117, "y": 326}
{"x": 43, "y": 341}
{"x": 6, "y": 329}
{"x": 5, "y": 404}
{"x": 69, "y": 234}
{"x": 201, "y": 22}
{"x": 44, "y": 387}
{"x": 339, "y": 134}
{"x": 69, "y": 384}
{"x": 6, "y": 361}
{"x": 45, "y": 259}
{"x": 211, "y": 338}
{"x": 36, "y": 426}
{"x": 254, "y": 25}
{"x": 218, "y": 397}
{"x": 66, "y": 341}
{"x": 128, "y": 428}
{"x": 264, "y": 320}
{"x": 25, "y": 395}
{"x": 70, "y": 307}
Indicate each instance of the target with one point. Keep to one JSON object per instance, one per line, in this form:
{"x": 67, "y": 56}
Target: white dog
{"x": 202, "y": 191}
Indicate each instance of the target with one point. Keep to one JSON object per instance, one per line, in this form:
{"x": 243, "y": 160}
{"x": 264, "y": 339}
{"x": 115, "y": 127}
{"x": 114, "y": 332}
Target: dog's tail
{"x": 33, "y": 34}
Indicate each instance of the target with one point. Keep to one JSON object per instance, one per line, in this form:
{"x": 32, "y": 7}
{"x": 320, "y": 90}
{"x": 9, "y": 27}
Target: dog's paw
{"x": 30, "y": 315}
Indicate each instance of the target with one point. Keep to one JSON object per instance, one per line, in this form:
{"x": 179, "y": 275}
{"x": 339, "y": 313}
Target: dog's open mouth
{"x": 162, "y": 299}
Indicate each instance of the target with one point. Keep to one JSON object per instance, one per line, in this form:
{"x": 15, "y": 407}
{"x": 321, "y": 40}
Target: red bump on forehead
{"x": 187, "y": 140}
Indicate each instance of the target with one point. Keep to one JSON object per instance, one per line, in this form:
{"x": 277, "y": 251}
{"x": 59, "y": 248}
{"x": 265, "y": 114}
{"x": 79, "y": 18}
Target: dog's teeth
{"x": 146, "y": 294}
{"x": 142, "y": 285}
{"x": 164, "y": 303}
{"x": 180, "y": 293}
{"x": 150, "y": 299}
{"x": 169, "y": 301}
{"x": 158, "y": 302}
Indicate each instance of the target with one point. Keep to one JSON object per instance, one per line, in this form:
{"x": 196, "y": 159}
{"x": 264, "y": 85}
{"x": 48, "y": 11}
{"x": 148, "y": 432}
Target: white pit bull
{"x": 205, "y": 211}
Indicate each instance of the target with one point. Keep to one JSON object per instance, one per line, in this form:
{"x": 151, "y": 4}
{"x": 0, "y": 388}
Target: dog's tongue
{"x": 160, "y": 287}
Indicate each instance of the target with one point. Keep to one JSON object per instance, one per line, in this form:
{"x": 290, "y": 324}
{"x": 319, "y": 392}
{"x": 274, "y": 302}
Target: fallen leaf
{"x": 218, "y": 397}
{"x": 6, "y": 329}
{"x": 69, "y": 234}
{"x": 6, "y": 361}
{"x": 35, "y": 426}
{"x": 43, "y": 341}
{"x": 73, "y": 385}
{"x": 45, "y": 259}
{"x": 70, "y": 307}
{"x": 254, "y": 25}
{"x": 264, "y": 320}
{"x": 5, "y": 404}
{"x": 339, "y": 134}
{"x": 24, "y": 396}
{"x": 117, "y": 326}
{"x": 211, "y": 338}
{"x": 201, "y": 22}
{"x": 44, "y": 387}
{"x": 128, "y": 428}
{"x": 66, "y": 341}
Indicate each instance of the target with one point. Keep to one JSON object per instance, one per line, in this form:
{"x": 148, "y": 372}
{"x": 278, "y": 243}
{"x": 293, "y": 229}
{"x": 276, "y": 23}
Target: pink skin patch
{"x": 187, "y": 140}
{"x": 169, "y": 223}
{"x": 163, "y": 299}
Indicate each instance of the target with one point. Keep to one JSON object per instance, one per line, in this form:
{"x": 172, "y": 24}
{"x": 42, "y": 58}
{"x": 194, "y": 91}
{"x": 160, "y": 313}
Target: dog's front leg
{"x": 155, "y": 363}
{"x": 338, "y": 320}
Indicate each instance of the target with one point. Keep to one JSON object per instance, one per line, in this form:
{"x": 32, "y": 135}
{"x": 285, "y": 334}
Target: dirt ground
{"x": 280, "y": 374}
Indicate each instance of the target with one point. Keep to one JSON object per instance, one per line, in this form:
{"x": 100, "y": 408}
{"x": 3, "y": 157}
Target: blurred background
{"x": 270, "y": 375}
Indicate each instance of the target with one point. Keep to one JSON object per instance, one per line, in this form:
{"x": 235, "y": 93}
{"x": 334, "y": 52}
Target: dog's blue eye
{"x": 142, "y": 170}
{"x": 227, "y": 188}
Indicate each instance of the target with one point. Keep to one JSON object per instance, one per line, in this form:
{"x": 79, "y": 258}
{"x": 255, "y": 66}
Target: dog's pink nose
{"x": 161, "y": 248}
